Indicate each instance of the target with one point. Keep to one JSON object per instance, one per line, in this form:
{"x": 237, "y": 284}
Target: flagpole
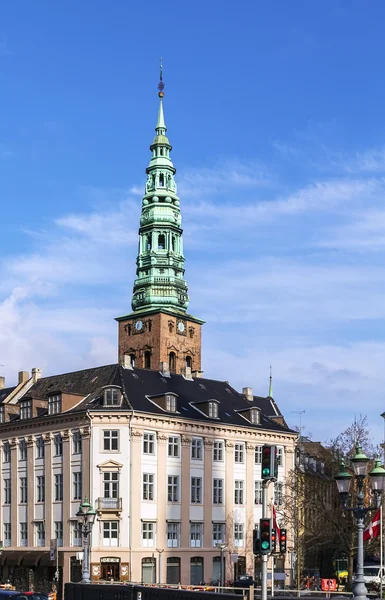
{"x": 381, "y": 551}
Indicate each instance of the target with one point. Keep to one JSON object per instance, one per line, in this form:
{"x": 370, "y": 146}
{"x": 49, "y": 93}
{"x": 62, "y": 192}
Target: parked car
{"x": 28, "y": 596}
{"x": 372, "y": 574}
{"x": 244, "y": 581}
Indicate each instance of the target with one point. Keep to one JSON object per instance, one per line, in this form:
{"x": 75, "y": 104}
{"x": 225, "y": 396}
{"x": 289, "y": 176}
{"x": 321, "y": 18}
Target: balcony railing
{"x": 109, "y": 504}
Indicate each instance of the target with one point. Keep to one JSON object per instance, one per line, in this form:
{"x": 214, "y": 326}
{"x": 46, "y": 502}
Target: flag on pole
{"x": 373, "y": 528}
{"x": 275, "y": 525}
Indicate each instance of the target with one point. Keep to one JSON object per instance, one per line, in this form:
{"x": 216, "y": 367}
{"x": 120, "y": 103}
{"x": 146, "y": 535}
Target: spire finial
{"x": 161, "y": 84}
{"x": 271, "y": 383}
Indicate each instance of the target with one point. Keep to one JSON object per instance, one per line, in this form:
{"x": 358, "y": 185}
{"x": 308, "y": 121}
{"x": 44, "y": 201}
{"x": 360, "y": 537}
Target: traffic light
{"x": 269, "y": 462}
{"x": 256, "y": 542}
{"x": 273, "y": 540}
{"x": 282, "y": 542}
{"x": 265, "y": 535}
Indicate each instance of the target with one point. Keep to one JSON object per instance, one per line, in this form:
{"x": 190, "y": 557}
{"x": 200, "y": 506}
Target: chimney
{"x": 164, "y": 369}
{"x": 125, "y": 362}
{"x": 23, "y": 376}
{"x": 2, "y": 383}
{"x": 36, "y": 374}
{"x": 197, "y": 374}
{"x": 186, "y": 372}
{"x": 248, "y": 392}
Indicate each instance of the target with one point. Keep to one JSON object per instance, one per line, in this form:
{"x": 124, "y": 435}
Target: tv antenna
{"x": 300, "y": 413}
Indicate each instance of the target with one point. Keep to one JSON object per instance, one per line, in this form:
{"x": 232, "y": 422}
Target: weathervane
{"x": 161, "y": 84}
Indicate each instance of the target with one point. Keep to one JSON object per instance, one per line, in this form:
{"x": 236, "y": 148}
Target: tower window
{"x": 161, "y": 242}
{"x": 147, "y": 359}
{"x": 148, "y": 242}
{"x": 161, "y": 180}
{"x": 188, "y": 361}
{"x": 172, "y": 362}
{"x": 173, "y": 243}
{"x": 161, "y": 151}
{"x": 132, "y": 357}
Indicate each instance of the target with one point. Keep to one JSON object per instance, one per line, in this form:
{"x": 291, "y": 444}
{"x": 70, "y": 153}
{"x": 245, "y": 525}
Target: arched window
{"x": 161, "y": 180}
{"x": 188, "y": 361}
{"x": 148, "y": 243}
{"x": 161, "y": 242}
{"x": 147, "y": 359}
{"x": 172, "y": 362}
{"x": 161, "y": 151}
{"x": 132, "y": 357}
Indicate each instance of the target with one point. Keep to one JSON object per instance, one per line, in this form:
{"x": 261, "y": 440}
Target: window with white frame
{"x": 40, "y": 533}
{"x": 7, "y": 491}
{"x": 149, "y": 443}
{"x": 238, "y": 491}
{"x": 58, "y": 487}
{"x": 148, "y": 486}
{"x": 197, "y": 449}
{"x": 111, "y": 440}
{"x": 6, "y": 452}
{"x": 254, "y": 416}
{"x": 213, "y": 410}
{"x": 110, "y": 533}
{"x": 217, "y": 491}
{"x": 77, "y": 485}
{"x": 258, "y": 493}
{"x": 173, "y": 488}
{"x": 218, "y": 451}
{"x": 39, "y": 447}
{"x": 196, "y": 535}
{"x": 110, "y": 484}
{"x": 40, "y": 488}
{"x": 23, "y": 490}
{"x": 22, "y": 449}
{"x": 279, "y": 456}
{"x": 54, "y": 404}
{"x": 76, "y": 442}
{"x": 219, "y": 533}
{"x": 170, "y": 403}
{"x": 7, "y": 534}
{"x": 258, "y": 455}
{"x": 76, "y": 538}
{"x": 148, "y": 534}
{"x": 239, "y": 453}
{"x": 23, "y": 538}
{"x": 174, "y": 446}
{"x": 26, "y": 409}
{"x": 59, "y": 532}
{"x": 173, "y": 535}
{"x": 2, "y": 414}
{"x": 111, "y": 397}
{"x": 58, "y": 444}
{"x": 239, "y": 539}
{"x": 278, "y": 493}
{"x": 196, "y": 490}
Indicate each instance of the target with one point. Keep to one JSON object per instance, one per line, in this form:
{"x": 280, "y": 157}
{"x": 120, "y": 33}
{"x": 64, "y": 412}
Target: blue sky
{"x": 276, "y": 115}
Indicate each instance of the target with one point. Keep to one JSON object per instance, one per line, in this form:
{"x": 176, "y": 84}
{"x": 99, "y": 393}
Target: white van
{"x": 372, "y": 574}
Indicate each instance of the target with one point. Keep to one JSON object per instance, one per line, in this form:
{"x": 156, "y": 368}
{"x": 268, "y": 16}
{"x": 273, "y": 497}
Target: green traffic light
{"x": 265, "y": 471}
{"x": 265, "y": 545}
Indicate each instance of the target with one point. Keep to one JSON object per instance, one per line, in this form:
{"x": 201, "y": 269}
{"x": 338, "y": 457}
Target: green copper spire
{"x": 271, "y": 384}
{"x": 160, "y": 263}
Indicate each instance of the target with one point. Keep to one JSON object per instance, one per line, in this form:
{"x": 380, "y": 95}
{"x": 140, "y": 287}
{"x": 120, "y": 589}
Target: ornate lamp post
{"x": 377, "y": 481}
{"x": 221, "y": 547}
{"x": 86, "y": 517}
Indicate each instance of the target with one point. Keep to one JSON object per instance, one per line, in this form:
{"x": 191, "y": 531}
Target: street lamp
{"x": 221, "y": 547}
{"x": 159, "y": 551}
{"x": 377, "y": 480}
{"x": 86, "y": 518}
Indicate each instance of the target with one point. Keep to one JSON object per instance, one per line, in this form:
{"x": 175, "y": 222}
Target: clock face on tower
{"x": 139, "y": 325}
{"x": 181, "y": 327}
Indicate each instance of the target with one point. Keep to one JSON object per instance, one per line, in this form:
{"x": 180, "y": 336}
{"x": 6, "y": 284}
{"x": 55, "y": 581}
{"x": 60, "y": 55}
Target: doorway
{"x": 110, "y": 571}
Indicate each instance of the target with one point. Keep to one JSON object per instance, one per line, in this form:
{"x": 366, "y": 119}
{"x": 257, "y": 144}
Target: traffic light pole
{"x": 265, "y": 486}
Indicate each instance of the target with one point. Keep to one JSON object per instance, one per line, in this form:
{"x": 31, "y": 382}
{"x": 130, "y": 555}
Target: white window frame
{"x": 40, "y": 533}
{"x": 148, "y": 487}
{"x": 218, "y": 451}
{"x": 40, "y": 488}
{"x": 7, "y": 490}
{"x": 173, "y": 488}
{"x": 197, "y": 449}
{"x": 109, "y": 529}
{"x": 280, "y": 456}
{"x": 173, "y": 447}
{"x": 23, "y": 487}
{"x": 258, "y": 492}
{"x": 258, "y": 455}
{"x": 218, "y": 491}
{"x": 54, "y": 404}
{"x": 173, "y": 535}
{"x": 59, "y": 532}
{"x": 25, "y": 409}
{"x": 213, "y": 410}
{"x": 111, "y": 440}
{"x": 196, "y": 535}
{"x": 58, "y": 484}
{"x": 239, "y": 489}
{"x": 7, "y": 534}
{"x": 76, "y": 534}
{"x": 170, "y": 403}
{"x": 149, "y": 443}
{"x": 278, "y": 493}
{"x": 22, "y": 450}
{"x": 196, "y": 490}
{"x": 239, "y": 452}
{"x": 77, "y": 485}
{"x": 110, "y": 485}
{"x": 58, "y": 444}
{"x": 76, "y": 442}
{"x": 148, "y": 534}
{"x": 40, "y": 449}
{"x": 239, "y": 535}
{"x": 219, "y": 533}
{"x": 6, "y": 452}
{"x": 23, "y": 533}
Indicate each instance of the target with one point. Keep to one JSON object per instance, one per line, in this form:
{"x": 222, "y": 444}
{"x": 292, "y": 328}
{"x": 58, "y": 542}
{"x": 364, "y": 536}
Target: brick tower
{"x": 159, "y": 330}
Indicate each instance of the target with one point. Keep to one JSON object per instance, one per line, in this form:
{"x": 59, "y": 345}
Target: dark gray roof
{"x": 4, "y": 392}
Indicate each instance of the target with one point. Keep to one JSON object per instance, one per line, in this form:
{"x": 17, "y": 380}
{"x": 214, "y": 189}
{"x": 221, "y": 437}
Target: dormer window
{"x": 54, "y": 404}
{"x": 170, "y": 403}
{"x": 111, "y": 397}
{"x": 213, "y": 410}
{"x": 254, "y": 416}
{"x": 1, "y": 414}
{"x": 26, "y": 409}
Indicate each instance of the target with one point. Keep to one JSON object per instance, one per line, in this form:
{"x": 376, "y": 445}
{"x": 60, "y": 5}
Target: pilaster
{"x": 185, "y": 491}
{"x": 229, "y": 495}
{"x": 136, "y": 487}
{"x": 208, "y": 493}
{"x": 48, "y": 495}
{"x": 249, "y": 524}
{"x": 14, "y": 492}
{"x": 161, "y": 496}
{"x": 67, "y": 487}
{"x": 31, "y": 488}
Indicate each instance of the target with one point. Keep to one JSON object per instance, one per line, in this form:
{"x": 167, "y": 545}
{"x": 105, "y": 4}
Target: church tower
{"x": 159, "y": 330}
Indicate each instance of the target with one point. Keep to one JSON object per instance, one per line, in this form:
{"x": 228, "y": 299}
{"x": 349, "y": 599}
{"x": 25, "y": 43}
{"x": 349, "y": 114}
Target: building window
{"x": 173, "y": 488}
{"x": 148, "y": 443}
{"x": 40, "y": 533}
{"x": 196, "y": 570}
{"x": 279, "y": 456}
{"x": 58, "y": 444}
{"x": 258, "y": 455}
{"x": 39, "y": 447}
{"x": 173, "y": 535}
{"x": 219, "y": 533}
{"x": 148, "y": 486}
{"x": 197, "y": 449}
{"x": 76, "y": 534}
{"x": 213, "y": 410}
{"x": 174, "y": 446}
{"x": 132, "y": 359}
{"x": 239, "y": 453}
{"x": 238, "y": 491}
{"x": 111, "y": 440}
{"x": 58, "y": 487}
{"x": 110, "y": 533}
{"x": 76, "y": 443}
{"x": 111, "y": 485}
{"x": 258, "y": 492}
{"x": 196, "y": 490}
{"x": 77, "y": 485}
{"x": 218, "y": 452}
{"x": 278, "y": 493}
{"x": 40, "y": 488}
{"x": 23, "y": 534}
{"x": 172, "y": 362}
{"x": 188, "y": 362}
{"x": 111, "y": 397}
{"x": 148, "y": 534}
{"x": 23, "y": 490}
{"x": 7, "y": 534}
{"x": 59, "y": 532}
{"x": 7, "y": 491}
{"x": 161, "y": 238}
{"x": 217, "y": 491}
{"x": 54, "y": 404}
{"x": 254, "y": 416}
{"x": 196, "y": 535}
{"x": 6, "y": 452}
{"x": 2, "y": 414}
{"x": 26, "y": 409}
{"x": 22, "y": 450}
{"x": 147, "y": 359}
{"x": 239, "y": 534}
{"x": 170, "y": 403}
